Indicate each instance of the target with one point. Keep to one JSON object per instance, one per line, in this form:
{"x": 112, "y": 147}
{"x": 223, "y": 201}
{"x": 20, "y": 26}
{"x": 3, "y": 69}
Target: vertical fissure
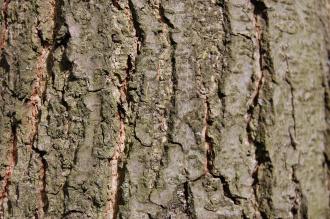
{"x": 227, "y": 192}
{"x": 36, "y": 101}
{"x": 174, "y": 82}
{"x": 11, "y": 165}
{"x": 263, "y": 66}
{"x": 259, "y": 17}
{"x": 116, "y": 4}
{"x": 209, "y": 150}
{"x": 42, "y": 204}
{"x": 226, "y": 25}
{"x": 174, "y": 77}
{"x": 116, "y": 162}
{"x": 139, "y": 33}
{"x": 208, "y": 143}
{"x": 327, "y": 117}
{"x": 5, "y": 25}
{"x": 299, "y": 207}
{"x": 163, "y": 17}
{"x": 293, "y": 132}
{"x": 226, "y": 51}
{"x": 189, "y": 202}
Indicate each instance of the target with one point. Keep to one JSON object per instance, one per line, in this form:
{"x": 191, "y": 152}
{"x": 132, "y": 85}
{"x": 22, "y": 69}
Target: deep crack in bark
{"x": 258, "y": 55}
{"x": 189, "y": 201}
{"x": 227, "y": 192}
{"x": 10, "y": 169}
{"x": 36, "y": 100}
{"x": 292, "y": 129}
{"x": 208, "y": 143}
{"x": 35, "y": 103}
{"x": 299, "y": 207}
{"x": 139, "y": 33}
{"x": 210, "y": 154}
{"x": 226, "y": 25}
{"x": 116, "y": 4}
{"x": 174, "y": 76}
{"x": 327, "y": 117}
{"x": 4, "y": 31}
{"x": 262, "y": 65}
{"x": 292, "y": 133}
{"x": 174, "y": 80}
{"x": 116, "y": 162}
{"x": 163, "y": 17}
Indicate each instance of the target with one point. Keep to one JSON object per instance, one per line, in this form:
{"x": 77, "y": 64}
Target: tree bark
{"x": 165, "y": 109}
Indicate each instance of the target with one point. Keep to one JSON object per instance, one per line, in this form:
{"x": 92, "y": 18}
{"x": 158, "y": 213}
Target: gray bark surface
{"x": 150, "y": 109}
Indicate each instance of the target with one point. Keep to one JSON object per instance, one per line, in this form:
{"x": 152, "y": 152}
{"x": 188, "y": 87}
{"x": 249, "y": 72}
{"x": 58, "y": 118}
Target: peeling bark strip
{"x": 9, "y": 171}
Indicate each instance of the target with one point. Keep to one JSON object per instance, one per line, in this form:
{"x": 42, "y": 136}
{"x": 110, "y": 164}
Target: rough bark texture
{"x": 165, "y": 109}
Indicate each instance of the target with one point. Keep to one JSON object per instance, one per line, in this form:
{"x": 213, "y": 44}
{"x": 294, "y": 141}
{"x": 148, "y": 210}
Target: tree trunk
{"x": 165, "y": 109}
